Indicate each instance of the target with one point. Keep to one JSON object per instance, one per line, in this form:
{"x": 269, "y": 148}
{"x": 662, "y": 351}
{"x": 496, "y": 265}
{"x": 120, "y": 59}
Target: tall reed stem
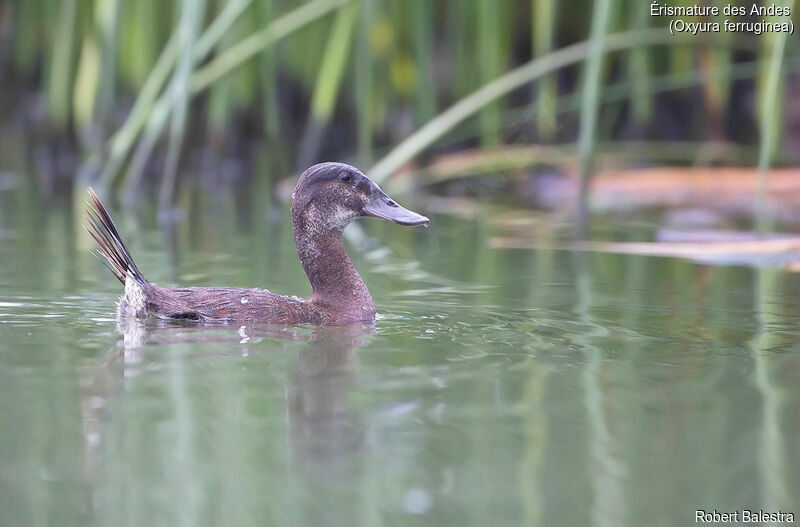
{"x": 587, "y": 136}
{"x": 364, "y": 82}
{"x": 472, "y": 103}
{"x": 189, "y": 25}
{"x": 769, "y": 126}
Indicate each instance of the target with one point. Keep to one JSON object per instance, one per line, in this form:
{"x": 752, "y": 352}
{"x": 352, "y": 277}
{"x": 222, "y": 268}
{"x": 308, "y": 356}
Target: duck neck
{"x": 336, "y": 284}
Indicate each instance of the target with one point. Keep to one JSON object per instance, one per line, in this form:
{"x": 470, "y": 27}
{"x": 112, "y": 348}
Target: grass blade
{"x": 770, "y": 118}
{"x": 87, "y": 81}
{"x": 108, "y": 18}
{"x": 261, "y": 40}
{"x": 587, "y": 135}
{"x": 639, "y": 75}
{"x": 269, "y": 81}
{"x": 188, "y": 27}
{"x": 364, "y": 82}
{"x": 60, "y": 75}
{"x": 329, "y": 78}
{"x": 278, "y": 29}
{"x": 490, "y": 65}
{"x": 423, "y": 14}
{"x": 123, "y": 140}
{"x": 543, "y": 24}
{"x": 536, "y": 68}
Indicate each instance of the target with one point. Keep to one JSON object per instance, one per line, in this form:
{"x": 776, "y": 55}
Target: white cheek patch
{"x": 320, "y": 222}
{"x": 341, "y": 217}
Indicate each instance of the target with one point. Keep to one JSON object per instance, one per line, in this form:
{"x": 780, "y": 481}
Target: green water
{"x": 498, "y": 387}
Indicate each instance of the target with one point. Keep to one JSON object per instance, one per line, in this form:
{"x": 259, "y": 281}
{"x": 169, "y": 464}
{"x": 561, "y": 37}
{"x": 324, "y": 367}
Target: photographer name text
{"x": 743, "y": 516}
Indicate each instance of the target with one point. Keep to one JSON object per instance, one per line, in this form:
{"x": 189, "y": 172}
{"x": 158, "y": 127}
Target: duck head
{"x": 329, "y": 196}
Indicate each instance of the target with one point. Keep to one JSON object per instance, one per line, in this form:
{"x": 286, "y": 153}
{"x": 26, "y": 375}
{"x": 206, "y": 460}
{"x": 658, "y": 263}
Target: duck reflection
{"x": 199, "y": 429}
{"x": 323, "y": 424}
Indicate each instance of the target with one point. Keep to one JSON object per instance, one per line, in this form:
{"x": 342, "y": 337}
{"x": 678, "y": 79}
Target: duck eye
{"x": 344, "y": 176}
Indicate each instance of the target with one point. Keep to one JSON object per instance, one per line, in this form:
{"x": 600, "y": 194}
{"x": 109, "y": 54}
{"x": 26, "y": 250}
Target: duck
{"x": 327, "y": 198}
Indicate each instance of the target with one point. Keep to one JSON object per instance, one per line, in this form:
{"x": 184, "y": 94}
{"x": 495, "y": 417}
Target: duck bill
{"x": 382, "y": 206}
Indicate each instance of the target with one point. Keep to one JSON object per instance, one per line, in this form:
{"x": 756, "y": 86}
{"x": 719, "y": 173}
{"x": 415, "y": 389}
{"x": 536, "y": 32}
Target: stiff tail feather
{"x": 109, "y": 243}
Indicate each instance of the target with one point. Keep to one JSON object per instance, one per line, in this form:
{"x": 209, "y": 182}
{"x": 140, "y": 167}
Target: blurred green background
{"x": 507, "y": 381}
{"x": 154, "y": 98}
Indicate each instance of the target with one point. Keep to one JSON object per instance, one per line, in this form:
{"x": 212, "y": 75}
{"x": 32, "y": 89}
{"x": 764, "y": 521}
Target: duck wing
{"x": 230, "y": 304}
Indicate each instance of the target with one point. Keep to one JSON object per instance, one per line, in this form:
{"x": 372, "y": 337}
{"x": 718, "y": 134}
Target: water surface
{"x": 498, "y": 387}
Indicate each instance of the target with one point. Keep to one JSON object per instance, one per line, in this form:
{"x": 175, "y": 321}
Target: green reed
{"x": 543, "y": 19}
{"x": 59, "y": 82}
{"x": 188, "y": 27}
{"x": 329, "y": 80}
{"x": 405, "y": 75}
{"x": 363, "y": 78}
{"x": 587, "y": 135}
{"x": 466, "y": 107}
{"x": 770, "y": 118}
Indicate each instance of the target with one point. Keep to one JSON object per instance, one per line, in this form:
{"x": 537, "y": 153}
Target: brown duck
{"x": 327, "y": 198}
